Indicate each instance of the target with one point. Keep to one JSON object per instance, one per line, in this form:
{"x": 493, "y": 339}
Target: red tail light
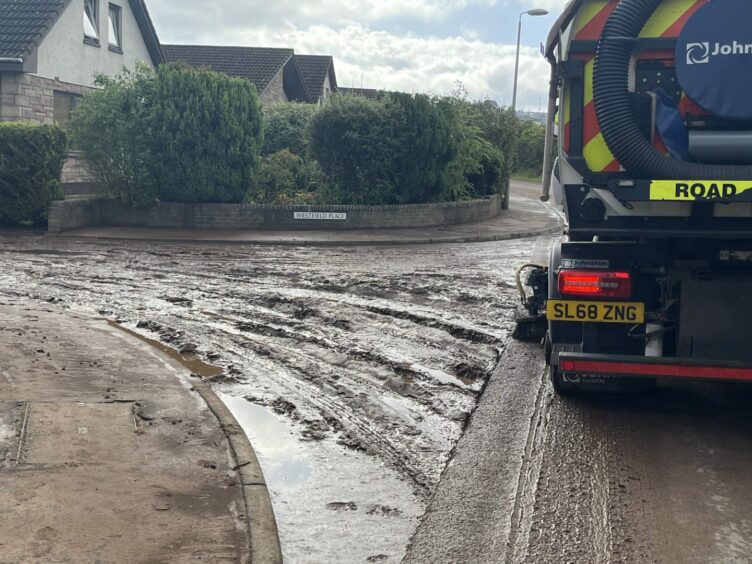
{"x": 595, "y": 284}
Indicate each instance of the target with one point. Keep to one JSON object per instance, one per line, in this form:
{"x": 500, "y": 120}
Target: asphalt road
{"x": 383, "y": 352}
{"x": 662, "y": 476}
{"x": 352, "y": 370}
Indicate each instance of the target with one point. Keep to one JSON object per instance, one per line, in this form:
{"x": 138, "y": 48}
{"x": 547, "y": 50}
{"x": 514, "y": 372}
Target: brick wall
{"x": 275, "y": 91}
{"x": 24, "y": 97}
{"x": 75, "y": 170}
{"x": 29, "y": 98}
{"x": 73, "y": 214}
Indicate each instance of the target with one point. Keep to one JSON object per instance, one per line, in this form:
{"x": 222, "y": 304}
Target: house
{"x": 274, "y": 72}
{"x": 51, "y": 50}
{"x": 278, "y": 74}
{"x": 318, "y": 75}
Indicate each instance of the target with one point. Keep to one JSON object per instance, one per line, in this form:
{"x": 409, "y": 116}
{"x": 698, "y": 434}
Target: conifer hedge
{"x": 31, "y": 161}
{"x": 178, "y": 134}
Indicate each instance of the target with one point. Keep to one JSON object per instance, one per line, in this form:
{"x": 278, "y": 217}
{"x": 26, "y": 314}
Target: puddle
{"x": 192, "y": 363}
{"x": 282, "y": 457}
{"x": 331, "y": 504}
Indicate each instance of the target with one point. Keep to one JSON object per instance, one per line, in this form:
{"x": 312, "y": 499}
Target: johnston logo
{"x": 700, "y": 53}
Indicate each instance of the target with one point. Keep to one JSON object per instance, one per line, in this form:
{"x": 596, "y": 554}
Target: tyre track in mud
{"x": 659, "y": 476}
{"x": 380, "y": 353}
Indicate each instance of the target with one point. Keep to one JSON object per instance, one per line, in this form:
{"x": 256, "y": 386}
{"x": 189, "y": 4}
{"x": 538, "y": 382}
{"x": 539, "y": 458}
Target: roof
{"x": 25, "y": 23}
{"x": 315, "y": 69}
{"x": 258, "y": 64}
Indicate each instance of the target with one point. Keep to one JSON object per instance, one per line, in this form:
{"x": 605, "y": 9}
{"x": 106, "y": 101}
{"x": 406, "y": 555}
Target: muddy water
{"x": 352, "y": 370}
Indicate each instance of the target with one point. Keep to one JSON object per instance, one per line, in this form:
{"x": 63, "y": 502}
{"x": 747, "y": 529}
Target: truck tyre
{"x": 548, "y": 348}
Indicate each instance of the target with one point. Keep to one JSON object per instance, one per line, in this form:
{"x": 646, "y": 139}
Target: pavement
{"x": 527, "y": 217}
{"x": 110, "y": 451}
{"x": 475, "y": 509}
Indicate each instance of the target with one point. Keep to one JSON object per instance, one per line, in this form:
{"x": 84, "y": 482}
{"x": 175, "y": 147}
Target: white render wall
{"x": 63, "y": 55}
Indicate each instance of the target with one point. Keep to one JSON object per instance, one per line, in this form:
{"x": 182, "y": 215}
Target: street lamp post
{"x": 533, "y": 12}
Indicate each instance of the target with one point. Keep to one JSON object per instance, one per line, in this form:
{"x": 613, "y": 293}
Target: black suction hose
{"x": 613, "y": 108}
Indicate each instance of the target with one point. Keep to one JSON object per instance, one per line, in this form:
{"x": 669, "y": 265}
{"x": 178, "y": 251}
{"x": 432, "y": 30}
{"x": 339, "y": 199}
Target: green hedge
{"x": 394, "y": 150}
{"x": 285, "y": 125}
{"x": 31, "y": 161}
{"x": 206, "y": 130}
{"x": 178, "y": 134}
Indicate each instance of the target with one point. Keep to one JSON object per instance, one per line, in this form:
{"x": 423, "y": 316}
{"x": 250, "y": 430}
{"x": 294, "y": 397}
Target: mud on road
{"x": 352, "y": 370}
{"x": 658, "y": 476}
{"x": 662, "y": 476}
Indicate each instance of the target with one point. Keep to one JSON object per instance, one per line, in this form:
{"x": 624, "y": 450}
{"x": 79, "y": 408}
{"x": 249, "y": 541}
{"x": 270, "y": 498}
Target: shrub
{"x": 427, "y": 144}
{"x": 284, "y": 127}
{"x": 392, "y": 150}
{"x": 479, "y": 168}
{"x": 530, "y": 148}
{"x": 178, "y": 134}
{"x": 285, "y": 178}
{"x": 110, "y": 127}
{"x": 276, "y": 179}
{"x": 31, "y": 160}
{"x": 353, "y": 140}
{"x": 205, "y": 132}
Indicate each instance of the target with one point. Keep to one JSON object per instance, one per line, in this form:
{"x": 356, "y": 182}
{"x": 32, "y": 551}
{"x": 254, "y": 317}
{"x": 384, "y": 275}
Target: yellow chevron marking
{"x": 665, "y": 16}
{"x": 597, "y": 154}
{"x": 587, "y": 13}
{"x": 588, "y": 82}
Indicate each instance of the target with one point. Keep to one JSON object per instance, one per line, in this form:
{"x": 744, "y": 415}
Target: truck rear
{"x": 653, "y": 279}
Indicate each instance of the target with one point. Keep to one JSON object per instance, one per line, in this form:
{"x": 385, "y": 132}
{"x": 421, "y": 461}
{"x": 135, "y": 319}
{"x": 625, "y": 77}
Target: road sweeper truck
{"x": 651, "y": 106}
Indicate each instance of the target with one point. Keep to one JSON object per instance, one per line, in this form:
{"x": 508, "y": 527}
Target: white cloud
{"x": 349, "y": 30}
{"x": 426, "y": 64}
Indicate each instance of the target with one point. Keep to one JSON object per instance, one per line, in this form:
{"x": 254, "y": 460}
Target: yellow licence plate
{"x": 596, "y": 312}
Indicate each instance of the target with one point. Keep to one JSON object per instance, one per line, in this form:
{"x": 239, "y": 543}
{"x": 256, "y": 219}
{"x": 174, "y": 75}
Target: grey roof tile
{"x": 23, "y": 23}
{"x": 258, "y": 64}
{"x": 315, "y": 69}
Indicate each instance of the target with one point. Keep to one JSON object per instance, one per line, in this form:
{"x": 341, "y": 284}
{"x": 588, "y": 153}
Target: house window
{"x": 63, "y": 105}
{"x": 116, "y": 28}
{"x": 91, "y": 21}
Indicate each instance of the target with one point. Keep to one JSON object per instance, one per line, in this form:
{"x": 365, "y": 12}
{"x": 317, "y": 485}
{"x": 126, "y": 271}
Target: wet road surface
{"x": 662, "y": 476}
{"x": 353, "y": 372}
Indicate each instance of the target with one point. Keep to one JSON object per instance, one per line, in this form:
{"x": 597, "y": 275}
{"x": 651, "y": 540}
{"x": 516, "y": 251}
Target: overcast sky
{"x": 409, "y": 45}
